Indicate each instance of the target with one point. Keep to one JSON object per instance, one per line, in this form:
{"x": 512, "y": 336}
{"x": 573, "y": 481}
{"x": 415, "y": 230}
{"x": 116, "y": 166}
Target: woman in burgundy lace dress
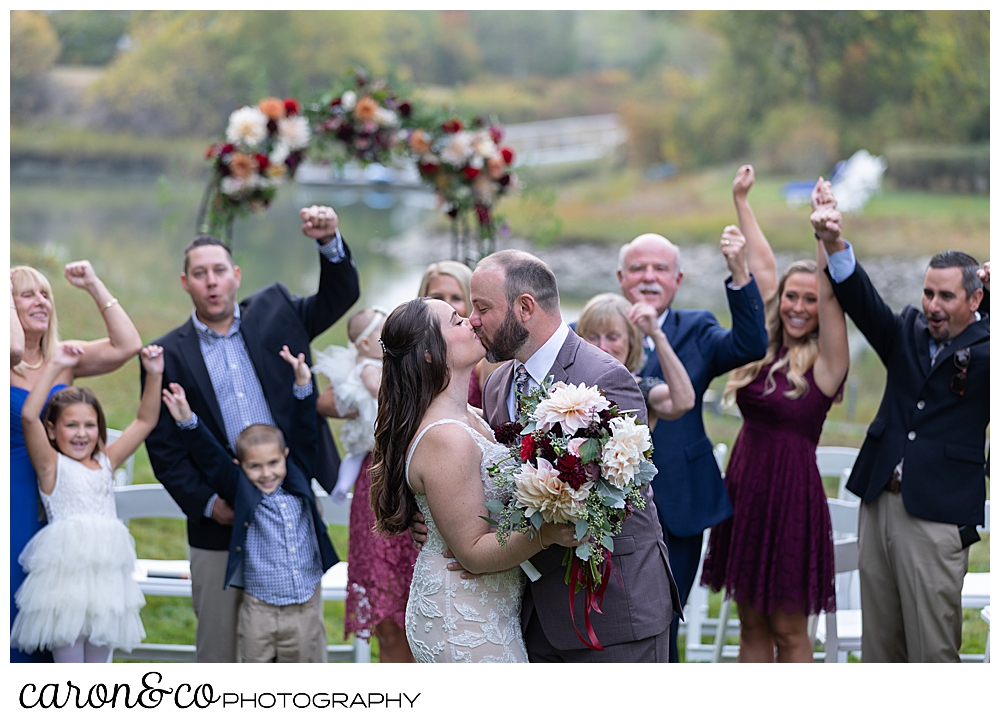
{"x": 774, "y": 556}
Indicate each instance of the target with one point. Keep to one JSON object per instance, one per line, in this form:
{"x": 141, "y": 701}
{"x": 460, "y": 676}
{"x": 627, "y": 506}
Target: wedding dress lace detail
{"x": 451, "y": 620}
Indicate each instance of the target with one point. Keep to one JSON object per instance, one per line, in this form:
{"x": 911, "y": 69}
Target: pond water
{"x": 135, "y": 233}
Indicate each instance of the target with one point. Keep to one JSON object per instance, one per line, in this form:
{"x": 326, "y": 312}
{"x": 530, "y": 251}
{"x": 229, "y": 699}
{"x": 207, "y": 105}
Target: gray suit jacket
{"x": 642, "y": 602}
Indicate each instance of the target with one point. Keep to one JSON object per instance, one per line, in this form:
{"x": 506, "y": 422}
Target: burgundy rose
{"x": 272, "y": 126}
{"x": 507, "y": 433}
{"x": 508, "y": 155}
{"x": 335, "y": 102}
{"x": 496, "y": 133}
{"x": 452, "y": 126}
{"x": 292, "y": 107}
{"x": 429, "y": 169}
{"x": 405, "y": 109}
{"x": 504, "y": 180}
{"x": 484, "y": 215}
{"x": 571, "y": 470}
{"x": 527, "y": 448}
{"x": 293, "y": 161}
{"x": 262, "y": 161}
{"x": 226, "y": 148}
{"x": 470, "y": 173}
{"x": 345, "y": 133}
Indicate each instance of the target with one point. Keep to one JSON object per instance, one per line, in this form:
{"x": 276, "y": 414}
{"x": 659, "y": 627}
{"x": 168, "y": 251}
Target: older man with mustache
{"x": 689, "y": 493}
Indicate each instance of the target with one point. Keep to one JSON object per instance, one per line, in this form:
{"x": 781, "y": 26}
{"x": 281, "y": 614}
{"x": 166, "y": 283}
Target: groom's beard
{"x": 510, "y": 337}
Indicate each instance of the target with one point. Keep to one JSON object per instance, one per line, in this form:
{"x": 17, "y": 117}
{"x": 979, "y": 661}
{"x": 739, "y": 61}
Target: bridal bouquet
{"x": 466, "y": 165}
{"x": 359, "y": 120}
{"x": 583, "y": 463}
{"x": 264, "y": 144}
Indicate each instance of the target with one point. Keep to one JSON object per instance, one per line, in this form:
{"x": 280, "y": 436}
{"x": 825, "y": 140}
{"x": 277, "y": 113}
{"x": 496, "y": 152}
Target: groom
{"x": 516, "y": 315}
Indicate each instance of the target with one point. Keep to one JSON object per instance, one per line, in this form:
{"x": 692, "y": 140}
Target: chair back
{"x": 845, "y": 555}
{"x": 124, "y": 474}
{"x": 151, "y": 500}
{"x": 844, "y": 518}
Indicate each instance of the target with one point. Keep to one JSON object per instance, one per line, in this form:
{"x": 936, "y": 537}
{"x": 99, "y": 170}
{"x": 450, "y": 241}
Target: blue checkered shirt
{"x": 234, "y": 379}
{"x": 281, "y": 563}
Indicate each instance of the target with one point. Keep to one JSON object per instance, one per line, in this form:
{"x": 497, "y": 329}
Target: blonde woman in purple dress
{"x": 774, "y": 556}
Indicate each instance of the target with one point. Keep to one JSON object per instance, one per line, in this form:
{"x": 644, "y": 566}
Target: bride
{"x": 432, "y": 451}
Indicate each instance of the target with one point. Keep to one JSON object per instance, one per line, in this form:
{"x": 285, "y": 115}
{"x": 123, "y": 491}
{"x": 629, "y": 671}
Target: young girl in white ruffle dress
{"x": 79, "y": 598}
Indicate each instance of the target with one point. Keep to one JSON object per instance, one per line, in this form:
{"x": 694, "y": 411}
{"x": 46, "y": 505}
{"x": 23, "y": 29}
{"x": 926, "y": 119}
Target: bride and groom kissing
{"x": 430, "y": 472}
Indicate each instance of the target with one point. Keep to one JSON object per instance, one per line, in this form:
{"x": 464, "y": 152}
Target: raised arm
{"x": 44, "y": 457}
{"x": 338, "y": 281}
{"x": 123, "y": 341}
{"x": 135, "y": 434}
{"x": 675, "y": 398}
{"x": 759, "y": 254}
{"x": 834, "y": 357}
{"x": 305, "y": 442}
{"x": 221, "y": 473}
{"x": 446, "y": 465}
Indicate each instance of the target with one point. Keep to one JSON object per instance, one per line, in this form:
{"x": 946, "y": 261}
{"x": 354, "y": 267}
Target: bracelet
{"x": 109, "y": 304}
{"x": 544, "y": 546}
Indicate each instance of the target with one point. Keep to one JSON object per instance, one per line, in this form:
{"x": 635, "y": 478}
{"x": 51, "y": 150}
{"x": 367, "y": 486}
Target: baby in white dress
{"x": 355, "y": 371}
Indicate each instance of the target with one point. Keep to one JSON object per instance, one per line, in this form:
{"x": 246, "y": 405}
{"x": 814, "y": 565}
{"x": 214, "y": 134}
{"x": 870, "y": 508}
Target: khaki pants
{"x": 215, "y": 608}
{"x": 911, "y": 585}
{"x": 282, "y": 633}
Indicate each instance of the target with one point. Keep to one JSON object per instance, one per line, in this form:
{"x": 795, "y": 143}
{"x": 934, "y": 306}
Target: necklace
{"x": 33, "y": 367}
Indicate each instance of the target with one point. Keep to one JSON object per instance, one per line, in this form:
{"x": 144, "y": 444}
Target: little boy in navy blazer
{"x": 280, "y": 547}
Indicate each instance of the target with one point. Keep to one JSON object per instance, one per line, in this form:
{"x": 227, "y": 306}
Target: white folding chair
{"x": 985, "y": 615}
{"x": 123, "y": 475}
{"x": 837, "y": 462}
{"x": 840, "y": 632}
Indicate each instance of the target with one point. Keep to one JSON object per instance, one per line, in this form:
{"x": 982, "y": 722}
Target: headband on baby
{"x": 377, "y": 315}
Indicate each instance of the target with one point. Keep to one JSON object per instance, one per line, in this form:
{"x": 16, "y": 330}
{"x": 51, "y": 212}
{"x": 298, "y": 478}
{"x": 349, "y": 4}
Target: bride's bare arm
{"x": 446, "y": 466}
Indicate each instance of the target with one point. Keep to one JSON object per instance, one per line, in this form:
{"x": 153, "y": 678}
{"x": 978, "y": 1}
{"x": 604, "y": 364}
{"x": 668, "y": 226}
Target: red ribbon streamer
{"x": 592, "y": 599}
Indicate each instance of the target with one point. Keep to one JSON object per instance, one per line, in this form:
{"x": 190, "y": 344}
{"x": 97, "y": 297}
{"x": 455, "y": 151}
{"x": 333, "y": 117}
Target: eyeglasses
{"x": 962, "y": 358}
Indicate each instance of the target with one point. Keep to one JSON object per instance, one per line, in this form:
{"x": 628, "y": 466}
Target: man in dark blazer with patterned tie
{"x": 689, "y": 492}
{"x": 920, "y": 473}
{"x": 516, "y": 314}
{"x": 226, "y": 358}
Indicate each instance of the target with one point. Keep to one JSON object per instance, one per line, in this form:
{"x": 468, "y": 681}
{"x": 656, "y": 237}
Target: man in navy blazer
{"x": 920, "y": 473}
{"x": 226, "y": 358}
{"x": 688, "y": 489}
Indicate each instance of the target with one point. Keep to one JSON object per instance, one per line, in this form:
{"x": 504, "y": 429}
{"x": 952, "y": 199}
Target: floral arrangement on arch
{"x": 583, "y": 463}
{"x": 360, "y": 120}
{"x": 466, "y": 165}
{"x": 264, "y": 145}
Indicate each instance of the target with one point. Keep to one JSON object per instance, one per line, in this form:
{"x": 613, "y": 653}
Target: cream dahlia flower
{"x": 542, "y": 490}
{"x": 459, "y": 148}
{"x": 572, "y": 406}
{"x": 247, "y": 125}
{"x": 623, "y": 453}
{"x": 294, "y": 132}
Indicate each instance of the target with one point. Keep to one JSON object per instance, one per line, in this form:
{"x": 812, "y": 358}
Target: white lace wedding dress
{"x": 451, "y": 620}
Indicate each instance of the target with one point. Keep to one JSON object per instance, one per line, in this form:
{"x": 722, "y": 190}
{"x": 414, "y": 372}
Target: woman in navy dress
{"x": 33, "y": 320}
{"x": 774, "y": 556}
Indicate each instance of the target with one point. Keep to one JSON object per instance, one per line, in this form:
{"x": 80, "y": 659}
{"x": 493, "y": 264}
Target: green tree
{"x": 89, "y": 37}
{"x": 34, "y": 48}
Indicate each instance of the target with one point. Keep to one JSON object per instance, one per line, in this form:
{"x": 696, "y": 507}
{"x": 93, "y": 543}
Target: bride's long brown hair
{"x": 414, "y": 371}
{"x": 800, "y": 356}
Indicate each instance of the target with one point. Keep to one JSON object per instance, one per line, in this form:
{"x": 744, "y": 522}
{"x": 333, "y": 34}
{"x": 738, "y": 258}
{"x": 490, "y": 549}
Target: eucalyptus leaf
{"x": 581, "y": 529}
{"x": 647, "y": 471}
{"x": 537, "y": 520}
{"x": 494, "y": 506}
{"x": 608, "y": 542}
{"x": 584, "y": 551}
